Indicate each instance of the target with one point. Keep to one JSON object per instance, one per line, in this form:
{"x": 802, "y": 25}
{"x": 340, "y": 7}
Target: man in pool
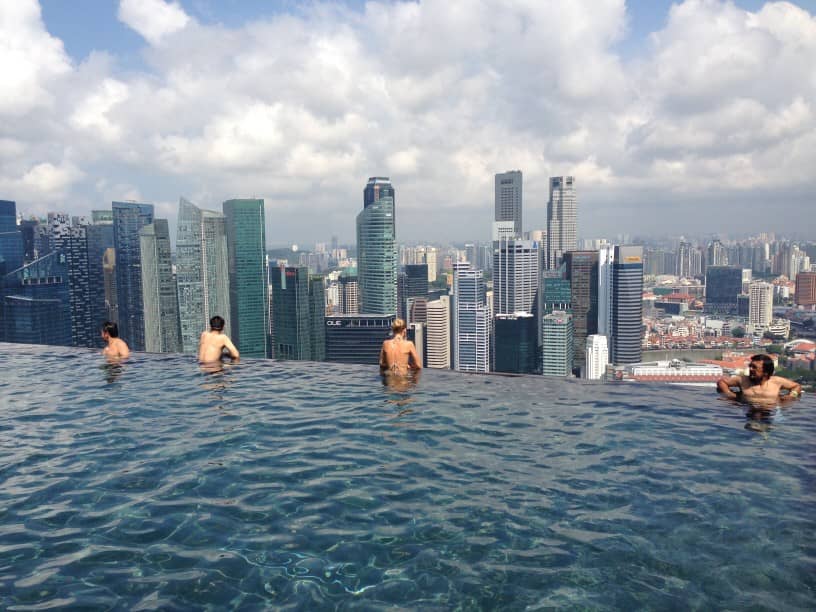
{"x": 760, "y": 385}
{"x": 116, "y": 347}
{"x": 399, "y": 354}
{"x": 212, "y": 343}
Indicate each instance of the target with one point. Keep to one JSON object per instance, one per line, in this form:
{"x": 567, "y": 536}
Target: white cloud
{"x": 153, "y": 19}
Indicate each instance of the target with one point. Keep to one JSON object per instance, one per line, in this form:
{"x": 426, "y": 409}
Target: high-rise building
{"x": 111, "y": 296}
{"x": 298, "y": 312}
{"x": 412, "y": 283}
{"x": 516, "y": 343}
{"x": 159, "y": 294}
{"x": 515, "y": 275}
{"x": 760, "y": 305}
{"x": 627, "y": 305}
{"x": 689, "y": 261}
{"x": 202, "y": 272}
{"x": 606, "y": 257}
{"x": 72, "y": 241}
{"x": 716, "y": 254}
{"x": 471, "y": 320}
{"x": 597, "y": 357}
{"x": 438, "y": 334}
{"x": 246, "y": 247}
{"x": 348, "y": 302}
{"x": 101, "y": 281}
{"x": 356, "y": 338}
{"x": 11, "y": 241}
{"x": 558, "y": 350}
{"x": 582, "y": 273}
{"x": 555, "y": 294}
{"x": 562, "y": 220}
{"x": 805, "y": 289}
{"x": 416, "y": 310}
{"x": 508, "y": 200}
{"x": 723, "y": 285}
{"x": 128, "y": 219}
{"x": 376, "y": 249}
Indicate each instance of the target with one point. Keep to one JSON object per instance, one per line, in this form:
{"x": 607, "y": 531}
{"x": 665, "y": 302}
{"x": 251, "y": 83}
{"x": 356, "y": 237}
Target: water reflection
{"x": 112, "y": 369}
{"x": 400, "y": 387}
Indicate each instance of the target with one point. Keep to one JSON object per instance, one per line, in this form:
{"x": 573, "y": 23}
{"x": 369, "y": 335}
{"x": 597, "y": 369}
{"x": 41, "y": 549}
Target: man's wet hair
{"x": 767, "y": 364}
{"x": 111, "y": 328}
{"x": 217, "y": 323}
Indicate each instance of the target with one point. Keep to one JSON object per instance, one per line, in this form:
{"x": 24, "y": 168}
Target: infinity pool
{"x": 314, "y": 486}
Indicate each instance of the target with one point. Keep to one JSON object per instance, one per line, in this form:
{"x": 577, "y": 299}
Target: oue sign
{"x": 334, "y": 323}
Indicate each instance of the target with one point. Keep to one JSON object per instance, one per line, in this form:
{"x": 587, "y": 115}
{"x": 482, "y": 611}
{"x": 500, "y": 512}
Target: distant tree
{"x": 738, "y": 332}
{"x": 775, "y": 349}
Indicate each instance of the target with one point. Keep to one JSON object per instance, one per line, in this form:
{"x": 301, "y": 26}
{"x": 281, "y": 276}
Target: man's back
{"x": 212, "y": 344}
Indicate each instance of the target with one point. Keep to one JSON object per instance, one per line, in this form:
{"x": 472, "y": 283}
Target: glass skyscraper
{"x": 413, "y": 283}
{"x": 202, "y": 272}
{"x": 723, "y": 285}
{"x": 246, "y": 246}
{"x": 627, "y": 305}
{"x": 298, "y": 311}
{"x": 558, "y": 350}
{"x": 376, "y": 249}
{"x": 161, "y": 318}
{"x": 128, "y": 219}
{"x": 516, "y": 342}
{"x": 11, "y": 241}
{"x": 100, "y": 242}
{"x": 582, "y": 272}
{"x": 562, "y": 220}
{"x": 508, "y": 200}
{"x": 471, "y": 320}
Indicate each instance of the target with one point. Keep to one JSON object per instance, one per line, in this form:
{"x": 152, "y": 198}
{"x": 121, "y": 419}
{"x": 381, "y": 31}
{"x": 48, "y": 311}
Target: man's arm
{"x": 725, "y": 383}
{"x": 415, "y": 358}
{"x": 231, "y": 348}
{"x": 794, "y": 388}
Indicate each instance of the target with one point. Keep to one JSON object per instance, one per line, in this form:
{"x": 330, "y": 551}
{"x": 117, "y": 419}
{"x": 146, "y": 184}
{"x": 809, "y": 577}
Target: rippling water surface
{"x": 313, "y": 486}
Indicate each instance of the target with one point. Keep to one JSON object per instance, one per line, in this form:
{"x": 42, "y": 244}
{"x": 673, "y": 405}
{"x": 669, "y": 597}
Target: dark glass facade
{"x": 356, "y": 338}
{"x": 298, "y": 311}
{"x": 413, "y": 283}
{"x": 723, "y": 285}
{"x": 582, "y": 273}
{"x": 100, "y": 239}
{"x": 627, "y": 305}
{"x": 11, "y": 240}
{"x": 515, "y": 343}
{"x": 376, "y": 249}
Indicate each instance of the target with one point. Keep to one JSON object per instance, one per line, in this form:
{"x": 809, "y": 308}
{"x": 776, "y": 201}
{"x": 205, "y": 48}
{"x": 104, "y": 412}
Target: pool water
{"x": 156, "y": 484}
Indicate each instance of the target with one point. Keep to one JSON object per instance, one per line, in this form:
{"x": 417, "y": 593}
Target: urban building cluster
{"x": 535, "y": 302}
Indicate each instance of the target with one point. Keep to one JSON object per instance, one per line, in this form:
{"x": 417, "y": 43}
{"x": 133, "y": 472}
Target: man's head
{"x": 760, "y": 368}
{"x": 217, "y": 323}
{"x": 110, "y": 330}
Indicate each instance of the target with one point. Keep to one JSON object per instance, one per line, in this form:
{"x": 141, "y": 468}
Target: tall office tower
{"x": 36, "y": 305}
{"x": 606, "y": 257}
{"x": 717, "y": 254}
{"x": 72, "y": 241}
{"x": 429, "y": 257}
{"x": 348, "y": 295}
{"x": 128, "y": 219}
{"x": 202, "y": 272}
{"x": 101, "y": 279}
{"x": 28, "y": 232}
{"x": 376, "y": 249}
{"x": 627, "y": 305}
{"x": 760, "y": 305}
{"x": 298, "y": 311}
{"x": 805, "y": 289}
{"x": 746, "y": 279}
{"x": 102, "y": 217}
{"x": 597, "y": 357}
{"x": 555, "y": 294}
{"x": 246, "y": 247}
{"x": 723, "y": 285}
{"x": 516, "y": 343}
{"x": 562, "y": 220}
{"x": 502, "y": 230}
{"x": 472, "y": 254}
{"x": 356, "y": 338}
{"x": 508, "y": 199}
{"x": 582, "y": 273}
{"x": 159, "y": 294}
{"x": 471, "y": 320}
{"x": 11, "y": 241}
{"x": 515, "y": 275}
{"x": 558, "y": 350}
{"x": 689, "y": 261}
{"x": 438, "y": 334}
{"x": 412, "y": 283}
{"x": 416, "y": 310}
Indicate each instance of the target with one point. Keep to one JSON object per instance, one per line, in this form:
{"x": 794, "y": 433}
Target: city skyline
{"x": 654, "y": 109}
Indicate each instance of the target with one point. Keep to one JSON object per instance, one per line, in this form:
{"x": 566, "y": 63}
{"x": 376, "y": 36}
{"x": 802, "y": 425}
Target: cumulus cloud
{"x": 301, "y": 108}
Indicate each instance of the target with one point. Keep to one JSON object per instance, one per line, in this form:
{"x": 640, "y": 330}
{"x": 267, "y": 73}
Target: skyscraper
{"x": 128, "y": 219}
{"x": 627, "y": 305}
{"x": 376, "y": 249}
{"x": 246, "y": 246}
{"x": 508, "y": 200}
{"x": 103, "y": 296}
{"x": 760, "y": 305}
{"x": 558, "y": 350}
{"x": 11, "y": 241}
{"x": 471, "y": 320}
{"x": 597, "y": 357}
{"x": 298, "y": 313}
{"x": 159, "y": 294}
{"x": 515, "y": 275}
{"x": 516, "y": 343}
{"x": 202, "y": 271}
{"x": 805, "y": 289}
{"x": 606, "y": 257}
{"x": 562, "y": 220}
{"x": 348, "y": 296}
{"x": 72, "y": 240}
{"x": 582, "y": 272}
{"x": 412, "y": 283}
{"x": 356, "y": 338}
{"x": 723, "y": 285}
{"x": 438, "y": 334}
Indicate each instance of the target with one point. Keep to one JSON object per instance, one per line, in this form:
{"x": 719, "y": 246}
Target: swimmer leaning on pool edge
{"x": 760, "y": 384}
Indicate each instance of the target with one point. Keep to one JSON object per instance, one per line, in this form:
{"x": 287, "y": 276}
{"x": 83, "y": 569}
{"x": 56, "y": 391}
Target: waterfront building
{"x": 597, "y": 357}
{"x": 202, "y": 272}
{"x": 516, "y": 343}
{"x": 438, "y": 334}
{"x": 161, "y": 315}
{"x": 805, "y": 289}
{"x": 413, "y": 283}
{"x": 356, "y": 338}
{"x": 128, "y": 219}
{"x": 627, "y": 305}
{"x": 471, "y": 320}
{"x": 723, "y": 285}
{"x": 246, "y": 248}
{"x": 562, "y": 220}
{"x": 508, "y": 201}
{"x": 760, "y": 305}
{"x": 298, "y": 313}
{"x": 582, "y": 273}
{"x": 11, "y": 240}
{"x": 558, "y": 351}
{"x": 376, "y": 248}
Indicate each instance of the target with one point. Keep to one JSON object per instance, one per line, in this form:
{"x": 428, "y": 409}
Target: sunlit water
{"x": 314, "y": 486}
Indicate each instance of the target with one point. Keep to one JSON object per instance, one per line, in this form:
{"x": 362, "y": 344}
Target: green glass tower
{"x": 246, "y": 246}
{"x": 298, "y": 307}
{"x": 376, "y": 249}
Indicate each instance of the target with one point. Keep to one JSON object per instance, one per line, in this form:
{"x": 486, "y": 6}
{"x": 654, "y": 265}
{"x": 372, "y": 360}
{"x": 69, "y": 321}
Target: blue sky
{"x": 674, "y": 118}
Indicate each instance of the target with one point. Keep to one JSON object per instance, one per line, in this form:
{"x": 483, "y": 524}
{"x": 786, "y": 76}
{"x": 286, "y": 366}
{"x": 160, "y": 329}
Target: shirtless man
{"x": 116, "y": 348}
{"x": 213, "y": 342}
{"x": 399, "y": 354}
{"x": 760, "y": 385}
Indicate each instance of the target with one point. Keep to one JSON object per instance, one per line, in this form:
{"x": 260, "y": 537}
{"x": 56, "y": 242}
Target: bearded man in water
{"x": 760, "y": 385}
